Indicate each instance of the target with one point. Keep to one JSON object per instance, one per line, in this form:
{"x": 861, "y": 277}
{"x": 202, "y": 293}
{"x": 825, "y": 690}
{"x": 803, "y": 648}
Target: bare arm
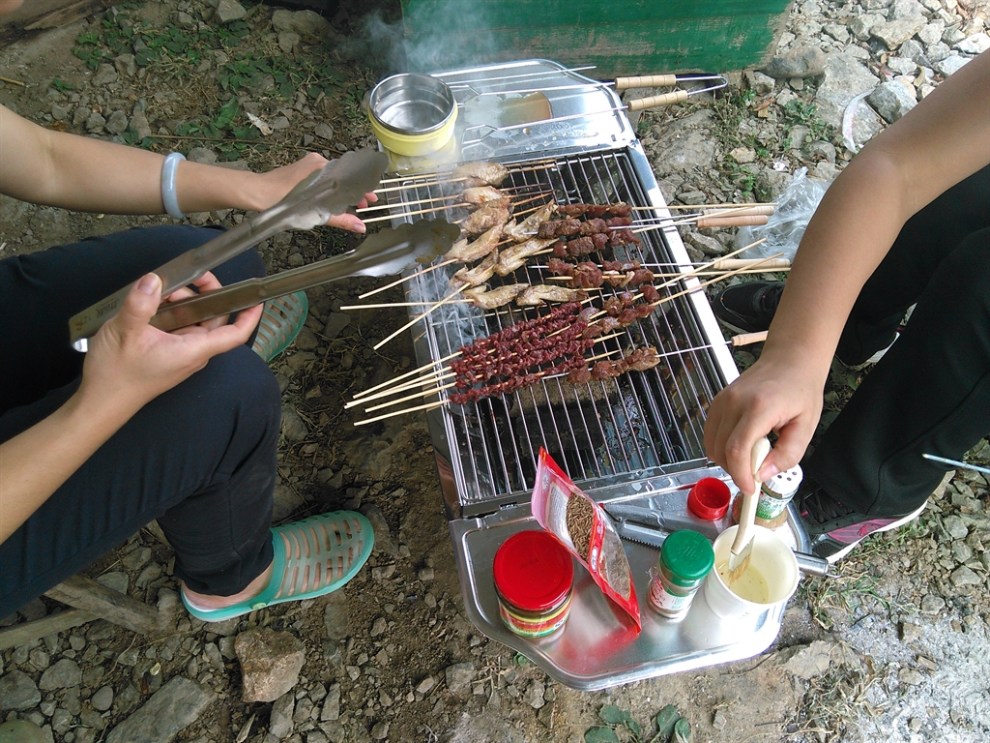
{"x": 43, "y": 166}
{"x": 129, "y": 363}
{"x": 943, "y": 140}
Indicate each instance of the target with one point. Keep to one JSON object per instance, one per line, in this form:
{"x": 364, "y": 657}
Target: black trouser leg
{"x": 927, "y": 238}
{"x": 200, "y": 457}
{"x": 929, "y": 393}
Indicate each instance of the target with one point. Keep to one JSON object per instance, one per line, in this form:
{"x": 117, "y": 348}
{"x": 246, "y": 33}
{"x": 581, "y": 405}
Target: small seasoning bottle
{"x": 534, "y": 575}
{"x": 775, "y": 494}
{"x": 686, "y": 557}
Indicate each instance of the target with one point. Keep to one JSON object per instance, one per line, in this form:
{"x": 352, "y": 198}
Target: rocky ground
{"x": 894, "y": 646}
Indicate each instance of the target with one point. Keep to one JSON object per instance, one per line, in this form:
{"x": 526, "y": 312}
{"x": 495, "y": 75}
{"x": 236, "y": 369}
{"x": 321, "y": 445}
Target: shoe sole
{"x": 846, "y": 548}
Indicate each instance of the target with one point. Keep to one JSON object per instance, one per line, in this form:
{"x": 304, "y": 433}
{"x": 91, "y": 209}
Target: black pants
{"x": 200, "y": 458}
{"x": 930, "y": 393}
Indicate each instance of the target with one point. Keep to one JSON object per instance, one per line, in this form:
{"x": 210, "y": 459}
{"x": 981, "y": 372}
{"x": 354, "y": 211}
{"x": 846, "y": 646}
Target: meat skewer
{"x": 538, "y": 294}
{"x": 465, "y": 251}
{"x": 515, "y": 256}
{"x": 477, "y": 275}
{"x": 484, "y": 218}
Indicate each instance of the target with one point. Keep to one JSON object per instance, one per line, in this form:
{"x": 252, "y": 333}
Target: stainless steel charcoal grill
{"x": 635, "y": 440}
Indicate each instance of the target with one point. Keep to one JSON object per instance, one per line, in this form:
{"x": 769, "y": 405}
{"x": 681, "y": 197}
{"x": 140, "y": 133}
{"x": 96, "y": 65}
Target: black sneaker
{"x": 748, "y": 307}
{"x": 835, "y": 529}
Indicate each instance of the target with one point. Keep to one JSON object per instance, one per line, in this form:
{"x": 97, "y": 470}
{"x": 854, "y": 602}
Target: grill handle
{"x": 657, "y": 101}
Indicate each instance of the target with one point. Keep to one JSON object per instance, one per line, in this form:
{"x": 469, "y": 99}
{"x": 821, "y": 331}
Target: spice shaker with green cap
{"x": 686, "y": 557}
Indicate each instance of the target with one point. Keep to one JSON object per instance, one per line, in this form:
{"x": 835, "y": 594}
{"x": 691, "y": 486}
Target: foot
{"x": 313, "y": 557}
{"x": 748, "y": 307}
{"x": 208, "y": 601}
{"x": 834, "y": 529}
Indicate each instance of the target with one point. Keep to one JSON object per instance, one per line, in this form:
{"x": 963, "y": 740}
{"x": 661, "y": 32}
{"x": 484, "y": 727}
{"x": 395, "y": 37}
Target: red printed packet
{"x": 584, "y": 528}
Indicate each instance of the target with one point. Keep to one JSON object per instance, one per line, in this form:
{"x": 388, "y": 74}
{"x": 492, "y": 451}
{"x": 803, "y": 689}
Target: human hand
{"x": 771, "y": 395}
{"x": 130, "y": 362}
{"x": 279, "y": 181}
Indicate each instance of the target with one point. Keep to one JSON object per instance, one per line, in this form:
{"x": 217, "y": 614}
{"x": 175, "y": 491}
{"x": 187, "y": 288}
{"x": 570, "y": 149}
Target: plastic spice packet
{"x": 584, "y": 528}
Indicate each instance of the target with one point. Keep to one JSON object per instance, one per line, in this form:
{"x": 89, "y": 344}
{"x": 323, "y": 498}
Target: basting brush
{"x": 742, "y": 545}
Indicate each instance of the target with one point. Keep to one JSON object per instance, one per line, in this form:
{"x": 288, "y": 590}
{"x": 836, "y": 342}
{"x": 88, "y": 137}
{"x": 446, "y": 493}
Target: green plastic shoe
{"x": 313, "y": 557}
{"x": 280, "y": 323}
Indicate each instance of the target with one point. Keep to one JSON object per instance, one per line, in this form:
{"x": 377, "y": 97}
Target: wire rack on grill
{"x": 601, "y": 429}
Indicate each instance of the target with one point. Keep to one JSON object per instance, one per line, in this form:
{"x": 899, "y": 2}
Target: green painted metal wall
{"x": 619, "y": 38}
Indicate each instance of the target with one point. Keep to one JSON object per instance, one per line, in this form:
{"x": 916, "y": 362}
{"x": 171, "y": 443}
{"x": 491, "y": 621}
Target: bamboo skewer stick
{"x": 400, "y": 204}
{"x": 739, "y": 271}
{"x": 705, "y": 206}
{"x": 430, "y": 179}
{"x": 414, "y": 213}
{"x": 419, "y": 317}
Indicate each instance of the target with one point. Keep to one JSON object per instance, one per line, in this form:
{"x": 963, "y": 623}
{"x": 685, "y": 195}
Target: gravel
{"x": 894, "y": 647}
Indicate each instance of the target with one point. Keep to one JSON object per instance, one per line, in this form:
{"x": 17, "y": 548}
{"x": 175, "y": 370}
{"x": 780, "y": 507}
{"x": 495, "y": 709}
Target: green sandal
{"x": 313, "y": 557}
{"x": 281, "y": 322}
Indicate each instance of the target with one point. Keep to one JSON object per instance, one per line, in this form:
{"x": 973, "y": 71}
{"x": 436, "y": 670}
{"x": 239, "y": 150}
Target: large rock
{"x": 270, "y": 663}
{"x": 18, "y": 691}
{"x": 171, "y": 709}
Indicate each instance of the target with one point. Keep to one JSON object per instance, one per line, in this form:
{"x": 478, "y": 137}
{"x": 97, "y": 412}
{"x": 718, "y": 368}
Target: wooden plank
{"x": 47, "y": 14}
{"x": 21, "y": 634}
{"x": 113, "y": 606}
{"x": 618, "y": 39}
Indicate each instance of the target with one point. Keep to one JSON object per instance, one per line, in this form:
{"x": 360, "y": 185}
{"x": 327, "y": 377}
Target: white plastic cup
{"x": 767, "y": 583}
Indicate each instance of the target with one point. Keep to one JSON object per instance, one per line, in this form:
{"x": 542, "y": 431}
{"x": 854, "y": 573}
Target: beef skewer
{"x": 642, "y": 358}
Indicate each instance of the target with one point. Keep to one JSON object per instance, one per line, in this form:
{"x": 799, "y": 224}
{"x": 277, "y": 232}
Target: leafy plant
{"x": 621, "y": 725}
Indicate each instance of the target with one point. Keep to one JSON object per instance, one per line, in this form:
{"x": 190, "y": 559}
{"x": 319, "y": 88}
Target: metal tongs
{"x": 331, "y": 190}
{"x": 385, "y": 253}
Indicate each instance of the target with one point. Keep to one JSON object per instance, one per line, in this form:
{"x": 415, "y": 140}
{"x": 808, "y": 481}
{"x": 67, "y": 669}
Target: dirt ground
{"x": 894, "y": 646}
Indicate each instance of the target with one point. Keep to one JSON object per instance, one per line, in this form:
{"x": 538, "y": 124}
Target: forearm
{"x": 35, "y": 463}
{"x": 850, "y": 233}
{"x": 42, "y": 166}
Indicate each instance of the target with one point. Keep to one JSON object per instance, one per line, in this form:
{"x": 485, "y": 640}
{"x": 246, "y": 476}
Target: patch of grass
{"x": 219, "y": 65}
{"x": 835, "y": 699}
{"x": 620, "y": 725}
{"x": 797, "y": 112}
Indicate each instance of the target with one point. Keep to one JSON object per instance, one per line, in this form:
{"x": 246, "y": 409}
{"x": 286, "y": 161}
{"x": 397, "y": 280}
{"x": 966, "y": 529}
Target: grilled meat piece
{"x": 480, "y": 195}
{"x": 484, "y": 218}
{"x": 522, "y": 231}
{"x": 515, "y": 256}
{"x": 538, "y": 294}
{"x": 478, "y": 274}
{"x": 466, "y": 251}
{"x": 481, "y": 173}
{"x": 489, "y": 299}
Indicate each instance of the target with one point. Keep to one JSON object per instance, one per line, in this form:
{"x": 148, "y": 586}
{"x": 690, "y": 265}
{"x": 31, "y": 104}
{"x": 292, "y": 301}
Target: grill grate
{"x": 598, "y": 431}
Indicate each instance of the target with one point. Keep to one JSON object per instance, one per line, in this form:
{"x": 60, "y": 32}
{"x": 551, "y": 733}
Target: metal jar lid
{"x": 533, "y": 571}
{"x": 687, "y": 557}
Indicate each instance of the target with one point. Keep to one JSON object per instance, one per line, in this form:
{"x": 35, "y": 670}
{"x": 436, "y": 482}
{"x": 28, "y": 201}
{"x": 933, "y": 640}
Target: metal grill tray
{"x": 595, "y": 650}
{"x": 643, "y": 420}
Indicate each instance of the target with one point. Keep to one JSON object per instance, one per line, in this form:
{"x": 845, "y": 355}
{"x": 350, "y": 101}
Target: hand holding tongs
{"x": 331, "y": 190}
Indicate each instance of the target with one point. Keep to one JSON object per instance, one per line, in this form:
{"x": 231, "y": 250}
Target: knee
{"x": 235, "y": 392}
{"x": 962, "y": 274}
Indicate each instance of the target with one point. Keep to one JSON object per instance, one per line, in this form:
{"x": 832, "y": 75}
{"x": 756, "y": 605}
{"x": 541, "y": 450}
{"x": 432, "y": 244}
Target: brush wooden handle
{"x": 747, "y": 513}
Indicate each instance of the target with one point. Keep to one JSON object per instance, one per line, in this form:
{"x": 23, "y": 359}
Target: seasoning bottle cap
{"x": 709, "y": 498}
{"x": 687, "y": 555}
{"x": 533, "y": 571}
